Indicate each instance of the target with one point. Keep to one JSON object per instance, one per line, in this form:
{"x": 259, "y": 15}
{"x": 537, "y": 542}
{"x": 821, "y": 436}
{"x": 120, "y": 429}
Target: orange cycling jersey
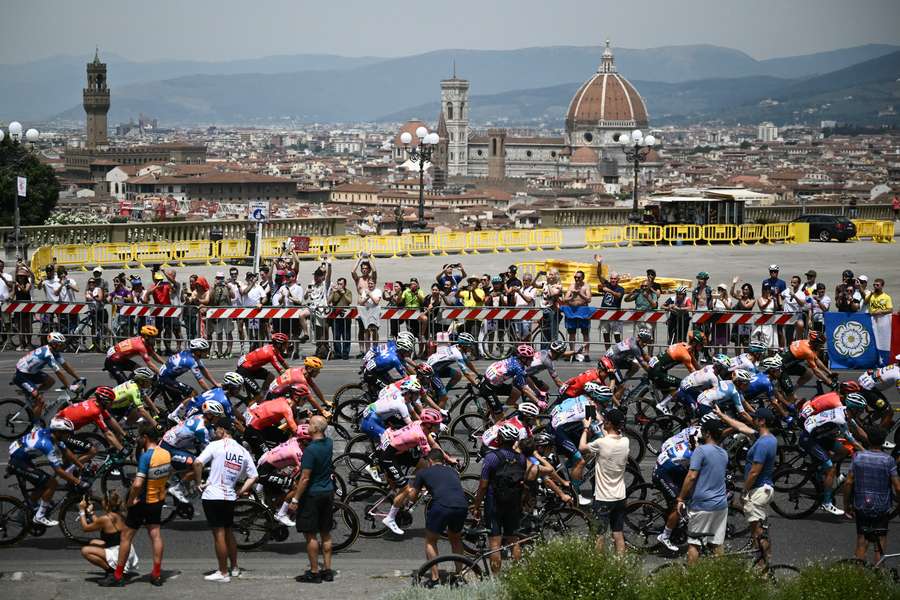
{"x": 802, "y": 350}
{"x": 270, "y": 413}
{"x": 681, "y": 353}
{"x": 287, "y": 379}
{"x": 820, "y": 403}
{"x": 575, "y": 386}
{"x": 259, "y": 358}
{"x": 128, "y": 348}
{"x": 84, "y": 413}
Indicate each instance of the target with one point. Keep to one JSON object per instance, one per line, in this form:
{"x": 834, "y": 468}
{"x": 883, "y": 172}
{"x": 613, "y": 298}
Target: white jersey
{"x": 704, "y": 379}
{"x": 834, "y": 415}
{"x": 881, "y": 379}
{"x": 541, "y": 362}
{"x": 675, "y": 449}
{"x": 744, "y": 361}
{"x": 229, "y": 462}
{"x": 569, "y": 411}
{"x": 446, "y": 356}
{"x": 489, "y": 437}
{"x": 390, "y": 403}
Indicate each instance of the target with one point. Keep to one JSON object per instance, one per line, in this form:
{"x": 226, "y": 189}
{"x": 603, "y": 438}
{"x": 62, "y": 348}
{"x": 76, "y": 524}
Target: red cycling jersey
{"x": 128, "y": 348}
{"x": 287, "y": 379}
{"x": 84, "y": 413}
{"x": 575, "y": 386}
{"x": 820, "y": 403}
{"x": 270, "y": 413}
{"x": 259, "y": 358}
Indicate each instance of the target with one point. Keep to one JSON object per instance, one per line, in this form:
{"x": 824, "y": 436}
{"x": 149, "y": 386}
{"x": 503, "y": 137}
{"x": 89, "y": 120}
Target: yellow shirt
{"x": 880, "y": 302}
{"x": 472, "y": 299}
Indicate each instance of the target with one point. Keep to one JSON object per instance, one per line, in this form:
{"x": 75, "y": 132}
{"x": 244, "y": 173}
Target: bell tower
{"x": 96, "y": 104}
{"x": 455, "y": 113}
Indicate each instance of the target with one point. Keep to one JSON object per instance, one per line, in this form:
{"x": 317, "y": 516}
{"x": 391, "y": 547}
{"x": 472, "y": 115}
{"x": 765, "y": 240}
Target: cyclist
{"x": 406, "y": 447}
{"x": 874, "y": 383}
{"x": 522, "y": 419}
{"x": 119, "y": 361}
{"x": 388, "y": 362}
{"x": 453, "y": 362}
{"x": 727, "y": 395}
{"x": 629, "y": 355}
{"x": 494, "y": 383}
{"x": 262, "y": 420}
{"x": 825, "y": 420}
{"x": 30, "y": 376}
{"x": 129, "y": 401}
{"x": 272, "y": 464}
{"x": 185, "y": 441}
{"x": 771, "y": 368}
{"x": 252, "y": 366}
{"x": 684, "y": 353}
{"x": 793, "y": 359}
{"x": 306, "y": 375}
{"x": 391, "y": 408}
{"x": 182, "y": 362}
{"x": 231, "y": 387}
{"x": 545, "y": 360}
{"x": 703, "y": 379}
{"x": 761, "y": 391}
{"x": 750, "y": 359}
{"x": 566, "y": 421}
{"x": 574, "y": 387}
{"x": 47, "y": 443}
{"x": 93, "y": 410}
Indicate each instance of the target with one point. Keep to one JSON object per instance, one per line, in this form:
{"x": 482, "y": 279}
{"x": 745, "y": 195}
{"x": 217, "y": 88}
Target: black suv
{"x": 828, "y": 227}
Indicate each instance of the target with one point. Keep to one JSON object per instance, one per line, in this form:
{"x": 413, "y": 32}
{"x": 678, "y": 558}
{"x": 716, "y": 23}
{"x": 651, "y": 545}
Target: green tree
{"x": 17, "y": 160}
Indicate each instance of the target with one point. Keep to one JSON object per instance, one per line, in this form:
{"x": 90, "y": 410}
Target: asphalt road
{"x": 48, "y": 566}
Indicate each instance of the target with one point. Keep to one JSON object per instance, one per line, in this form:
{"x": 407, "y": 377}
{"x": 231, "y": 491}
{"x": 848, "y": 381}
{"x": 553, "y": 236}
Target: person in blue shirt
{"x": 388, "y": 362}
{"x": 184, "y": 361}
{"x": 774, "y": 283}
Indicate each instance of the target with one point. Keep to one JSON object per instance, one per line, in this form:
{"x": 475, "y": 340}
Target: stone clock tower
{"x": 96, "y": 104}
{"x": 455, "y": 114}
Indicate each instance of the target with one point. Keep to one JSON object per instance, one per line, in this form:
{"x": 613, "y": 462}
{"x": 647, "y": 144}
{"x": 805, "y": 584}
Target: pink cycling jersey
{"x": 406, "y": 438}
{"x": 287, "y": 454}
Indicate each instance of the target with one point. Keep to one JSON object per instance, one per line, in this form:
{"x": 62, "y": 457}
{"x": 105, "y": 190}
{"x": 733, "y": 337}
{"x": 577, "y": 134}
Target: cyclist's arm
{"x": 63, "y": 474}
{"x": 820, "y": 370}
{"x": 151, "y": 354}
{"x": 289, "y": 418}
{"x": 318, "y": 392}
{"x": 207, "y": 382}
{"x": 470, "y": 373}
{"x": 115, "y": 434}
{"x": 432, "y": 442}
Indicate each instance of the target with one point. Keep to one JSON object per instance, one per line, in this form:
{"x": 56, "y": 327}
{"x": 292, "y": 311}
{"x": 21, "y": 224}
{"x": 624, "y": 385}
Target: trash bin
{"x": 215, "y": 236}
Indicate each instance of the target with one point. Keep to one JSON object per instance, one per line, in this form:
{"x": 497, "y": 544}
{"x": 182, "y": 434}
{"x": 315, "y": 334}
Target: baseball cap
{"x": 97, "y": 269}
{"x": 615, "y": 417}
{"x": 774, "y": 268}
{"x": 811, "y": 273}
{"x": 157, "y": 276}
{"x": 220, "y": 275}
{"x": 863, "y": 278}
{"x": 764, "y": 413}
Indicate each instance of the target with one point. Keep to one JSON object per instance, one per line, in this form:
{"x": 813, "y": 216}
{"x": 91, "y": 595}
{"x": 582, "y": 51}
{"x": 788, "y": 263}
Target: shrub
{"x": 838, "y": 580}
{"x": 485, "y": 590}
{"x": 571, "y": 568}
{"x": 709, "y": 579}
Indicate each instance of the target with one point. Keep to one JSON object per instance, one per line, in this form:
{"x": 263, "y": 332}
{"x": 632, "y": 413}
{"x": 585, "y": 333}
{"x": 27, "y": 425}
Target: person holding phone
{"x": 104, "y": 551}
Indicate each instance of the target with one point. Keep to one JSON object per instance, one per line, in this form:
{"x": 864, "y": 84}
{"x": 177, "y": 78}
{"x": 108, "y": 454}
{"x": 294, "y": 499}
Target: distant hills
{"x": 678, "y": 82}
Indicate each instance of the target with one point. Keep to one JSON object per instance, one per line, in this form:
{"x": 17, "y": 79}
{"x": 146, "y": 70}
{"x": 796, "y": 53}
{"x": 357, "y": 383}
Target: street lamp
{"x": 15, "y": 134}
{"x": 636, "y": 148}
{"x": 421, "y": 154}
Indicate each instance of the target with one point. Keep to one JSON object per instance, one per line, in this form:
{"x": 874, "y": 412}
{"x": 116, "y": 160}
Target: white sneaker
{"x": 888, "y": 445}
{"x": 832, "y": 509}
{"x": 373, "y": 473}
{"x": 285, "y": 520}
{"x": 43, "y": 520}
{"x": 392, "y": 525}
{"x": 667, "y": 542}
{"x": 178, "y": 493}
{"x": 237, "y": 573}
{"x": 217, "y": 577}
{"x": 582, "y": 501}
{"x": 663, "y": 408}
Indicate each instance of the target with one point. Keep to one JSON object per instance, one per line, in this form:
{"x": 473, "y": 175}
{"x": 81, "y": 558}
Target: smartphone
{"x": 590, "y": 412}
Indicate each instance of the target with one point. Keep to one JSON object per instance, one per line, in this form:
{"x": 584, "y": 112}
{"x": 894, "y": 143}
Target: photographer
{"x": 341, "y": 297}
{"x": 118, "y": 297}
{"x": 393, "y": 292}
{"x": 551, "y": 292}
{"x": 67, "y": 294}
{"x": 51, "y": 286}
{"x": 22, "y": 293}
{"x": 254, "y": 297}
{"x": 645, "y": 297}
{"x": 290, "y": 293}
{"x": 104, "y": 551}
{"x": 162, "y": 293}
{"x": 611, "y": 297}
{"x": 317, "y": 299}
{"x": 363, "y": 274}
{"x": 221, "y": 294}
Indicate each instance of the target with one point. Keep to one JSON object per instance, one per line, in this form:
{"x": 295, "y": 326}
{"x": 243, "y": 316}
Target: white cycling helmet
{"x": 56, "y": 337}
{"x": 199, "y": 344}
{"x": 213, "y": 407}
{"x": 232, "y": 379}
{"x": 406, "y": 343}
{"x": 597, "y": 392}
{"x": 61, "y": 424}
{"x": 741, "y": 376}
{"x": 143, "y": 374}
{"x": 771, "y": 363}
{"x": 508, "y": 433}
{"x": 529, "y": 409}
{"x": 411, "y": 385}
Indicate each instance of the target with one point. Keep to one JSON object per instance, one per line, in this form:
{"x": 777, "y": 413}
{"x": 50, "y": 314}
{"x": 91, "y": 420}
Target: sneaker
{"x": 373, "y": 473}
{"x": 327, "y": 575}
{"x": 308, "y": 577}
{"x": 218, "y": 577}
{"x": 832, "y": 509}
{"x": 664, "y": 409}
{"x": 303, "y": 339}
{"x": 888, "y": 445}
{"x": 43, "y": 520}
{"x": 667, "y": 542}
{"x": 285, "y": 520}
{"x": 179, "y": 494}
{"x": 111, "y": 581}
{"x": 157, "y": 581}
{"x": 236, "y": 573}
{"x": 392, "y": 525}
{"x": 582, "y": 501}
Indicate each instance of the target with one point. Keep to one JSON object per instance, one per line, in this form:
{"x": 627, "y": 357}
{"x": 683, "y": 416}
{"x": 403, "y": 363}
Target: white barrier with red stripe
{"x": 742, "y": 318}
{"x": 50, "y": 308}
{"x": 137, "y": 310}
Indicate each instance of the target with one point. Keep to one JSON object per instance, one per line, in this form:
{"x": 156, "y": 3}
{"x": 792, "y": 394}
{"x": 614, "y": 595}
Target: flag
{"x": 22, "y": 186}
{"x": 882, "y": 326}
{"x": 851, "y": 341}
{"x": 895, "y": 337}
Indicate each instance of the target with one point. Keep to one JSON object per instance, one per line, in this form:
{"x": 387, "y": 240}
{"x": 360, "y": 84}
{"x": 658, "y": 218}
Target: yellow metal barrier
{"x": 76, "y": 255}
{"x": 546, "y": 238}
{"x": 720, "y": 233}
{"x": 418, "y": 242}
{"x": 643, "y": 234}
{"x": 113, "y": 254}
{"x": 483, "y": 240}
{"x": 384, "y": 245}
{"x": 514, "y": 239}
{"x": 682, "y": 234}
{"x": 798, "y": 233}
{"x": 885, "y": 234}
{"x": 272, "y": 247}
{"x": 778, "y": 232}
{"x": 752, "y": 233}
{"x": 530, "y": 268}
{"x": 154, "y": 252}
{"x": 866, "y": 229}
{"x": 453, "y": 241}
{"x": 595, "y": 237}
{"x": 195, "y": 250}
{"x": 232, "y": 249}
{"x": 42, "y": 257}
{"x": 344, "y": 245}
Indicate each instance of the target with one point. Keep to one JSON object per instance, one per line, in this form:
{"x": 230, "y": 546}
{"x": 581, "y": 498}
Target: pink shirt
{"x": 287, "y": 454}
{"x": 406, "y": 438}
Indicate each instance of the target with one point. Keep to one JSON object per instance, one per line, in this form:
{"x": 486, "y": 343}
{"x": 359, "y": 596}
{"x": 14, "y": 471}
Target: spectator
{"x": 117, "y": 299}
{"x": 862, "y": 283}
{"x": 362, "y": 273}
{"x": 22, "y": 293}
{"x": 551, "y": 293}
{"x": 611, "y": 298}
{"x": 7, "y": 288}
{"x": 136, "y": 297}
{"x": 237, "y": 301}
{"x": 679, "y": 308}
{"x": 52, "y": 287}
{"x": 221, "y": 294}
{"x": 895, "y": 206}
{"x": 413, "y": 298}
{"x": 522, "y": 297}
{"x": 809, "y": 287}
{"x": 369, "y": 315}
{"x": 471, "y": 296}
{"x": 268, "y": 287}
{"x": 773, "y": 282}
{"x": 793, "y": 302}
{"x": 744, "y": 302}
{"x": 645, "y": 297}
{"x": 254, "y": 297}
{"x": 870, "y": 492}
{"x": 393, "y": 296}
{"x": 194, "y": 296}
{"x": 704, "y": 486}
{"x": 162, "y": 293}
{"x": 766, "y": 334}
{"x": 611, "y": 452}
{"x": 341, "y": 297}
{"x": 67, "y": 294}
{"x": 314, "y": 493}
{"x": 446, "y": 274}
{"x": 104, "y": 552}
{"x": 702, "y": 300}
{"x": 229, "y": 462}
{"x": 294, "y": 296}
{"x": 881, "y": 307}
{"x": 577, "y": 298}
{"x": 845, "y": 300}
{"x": 819, "y": 304}
{"x": 721, "y": 303}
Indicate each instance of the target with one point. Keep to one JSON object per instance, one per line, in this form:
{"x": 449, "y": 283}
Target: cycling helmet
{"x": 817, "y": 338}
{"x": 56, "y": 338}
{"x": 424, "y": 370}
{"x": 849, "y": 387}
{"x": 466, "y": 339}
{"x": 697, "y": 337}
{"x": 756, "y": 348}
{"x": 410, "y": 384}
{"x": 543, "y": 439}
{"x": 496, "y": 279}
{"x": 598, "y": 393}
{"x": 406, "y": 343}
{"x": 529, "y": 409}
{"x": 558, "y": 346}
{"x": 855, "y": 401}
{"x": 681, "y": 290}
{"x": 199, "y": 344}
{"x": 105, "y": 394}
{"x": 280, "y": 338}
{"x": 61, "y": 424}
{"x": 508, "y": 433}
{"x": 741, "y": 376}
{"x": 722, "y": 360}
{"x": 405, "y": 335}
{"x": 143, "y": 374}
{"x": 149, "y": 331}
{"x": 772, "y": 363}
{"x": 299, "y": 389}
{"x": 232, "y": 379}
{"x": 313, "y": 362}
{"x": 302, "y": 432}
{"x": 606, "y": 364}
{"x": 213, "y": 407}
{"x": 645, "y": 335}
{"x": 525, "y": 351}
{"x": 709, "y": 417}
{"x": 429, "y": 415}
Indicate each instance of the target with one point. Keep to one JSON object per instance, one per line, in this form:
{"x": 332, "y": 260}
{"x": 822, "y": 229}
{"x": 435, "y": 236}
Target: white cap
{"x": 863, "y": 278}
{"x": 774, "y": 268}
{"x": 97, "y": 269}
{"x": 221, "y": 274}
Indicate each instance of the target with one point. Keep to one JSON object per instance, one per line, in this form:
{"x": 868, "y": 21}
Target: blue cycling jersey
{"x": 508, "y": 368}
{"x": 180, "y": 363}
{"x": 34, "y": 444}
{"x": 217, "y": 394}
{"x": 760, "y": 385}
{"x": 192, "y": 433}
{"x": 35, "y": 361}
{"x": 384, "y": 358}
{"x": 722, "y": 395}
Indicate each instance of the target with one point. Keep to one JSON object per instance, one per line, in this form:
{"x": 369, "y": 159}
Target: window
{"x": 479, "y": 153}
{"x": 450, "y": 111}
{"x": 452, "y": 156}
{"x": 494, "y": 147}
{"x": 528, "y": 153}
{"x": 588, "y": 137}
{"x": 553, "y": 154}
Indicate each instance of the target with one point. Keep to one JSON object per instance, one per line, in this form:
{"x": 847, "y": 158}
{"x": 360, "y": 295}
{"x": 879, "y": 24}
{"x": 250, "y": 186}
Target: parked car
{"x": 828, "y": 227}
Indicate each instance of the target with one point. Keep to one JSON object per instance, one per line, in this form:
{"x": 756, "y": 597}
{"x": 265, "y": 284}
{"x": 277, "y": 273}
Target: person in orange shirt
{"x": 793, "y": 359}
{"x": 305, "y": 375}
{"x": 252, "y": 366}
{"x": 683, "y": 353}
{"x": 263, "y": 420}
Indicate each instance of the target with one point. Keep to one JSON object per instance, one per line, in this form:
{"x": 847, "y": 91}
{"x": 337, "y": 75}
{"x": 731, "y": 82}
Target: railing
{"x": 616, "y": 235}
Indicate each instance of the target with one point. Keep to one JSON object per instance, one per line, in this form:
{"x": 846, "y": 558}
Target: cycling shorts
{"x": 372, "y": 425}
{"x": 181, "y": 459}
{"x": 567, "y": 437}
{"x": 119, "y": 369}
{"x": 29, "y": 382}
{"x": 818, "y": 449}
{"x": 446, "y": 371}
{"x": 29, "y": 472}
{"x": 668, "y": 478}
{"x": 257, "y": 373}
{"x": 661, "y": 379}
{"x": 493, "y": 394}
{"x": 391, "y": 463}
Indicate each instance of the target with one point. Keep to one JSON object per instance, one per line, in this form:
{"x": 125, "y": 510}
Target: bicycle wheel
{"x": 636, "y": 447}
{"x": 70, "y": 520}
{"x": 118, "y": 478}
{"x": 494, "y": 341}
{"x": 350, "y": 411}
{"x": 658, "y": 429}
{"x": 340, "y": 487}
{"x": 453, "y": 570}
{"x": 797, "y": 493}
{"x": 565, "y": 521}
{"x": 15, "y": 520}
{"x": 344, "y": 526}
{"x": 457, "y": 449}
{"x": 350, "y": 390}
{"x": 643, "y": 522}
{"x": 780, "y": 574}
{"x": 358, "y": 469}
{"x": 253, "y": 524}
{"x": 469, "y": 427}
{"x": 359, "y": 444}
{"x": 737, "y": 531}
{"x": 371, "y": 504}
{"x": 539, "y": 340}
{"x": 15, "y": 418}
{"x": 645, "y": 491}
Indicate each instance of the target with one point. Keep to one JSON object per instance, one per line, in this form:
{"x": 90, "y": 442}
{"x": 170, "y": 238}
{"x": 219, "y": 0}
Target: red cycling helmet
{"x": 280, "y": 338}
{"x": 525, "y": 351}
{"x": 105, "y": 394}
{"x": 606, "y": 364}
{"x": 850, "y": 387}
{"x": 817, "y": 338}
{"x": 431, "y": 416}
{"x": 425, "y": 370}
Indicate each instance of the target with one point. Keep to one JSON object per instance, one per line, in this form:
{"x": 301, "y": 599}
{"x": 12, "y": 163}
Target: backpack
{"x": 507, "y": 481}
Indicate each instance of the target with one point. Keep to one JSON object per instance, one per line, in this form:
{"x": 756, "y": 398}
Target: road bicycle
{"x": 873, "y": 535}
{"x": 16, "y": 416}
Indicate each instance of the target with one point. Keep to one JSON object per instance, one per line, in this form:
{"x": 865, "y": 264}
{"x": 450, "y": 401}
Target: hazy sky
{"x": 226, "y": 29}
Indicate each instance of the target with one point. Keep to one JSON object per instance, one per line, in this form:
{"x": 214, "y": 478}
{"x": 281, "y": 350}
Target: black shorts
{"x": 495, "y": 394}
{"x": 440, "y": 519}
{"x": 260, "y": 373}
{"x": 503, "y": 521}
{"x": 315, "y": 513}
{"x": 611, "y": 513}
{"x": 219, "y": 513}
{"x": 29, "y": 472}
{"x": 391, "y": 462}
{"x": 144, "y": 514}
{"x": 866, "y": 521}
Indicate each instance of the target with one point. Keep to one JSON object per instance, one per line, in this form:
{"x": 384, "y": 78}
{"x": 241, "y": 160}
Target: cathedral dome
{"x": 584, "y": 156}
{"x": 606, "y": 100}
{"x": 410, "y": 127}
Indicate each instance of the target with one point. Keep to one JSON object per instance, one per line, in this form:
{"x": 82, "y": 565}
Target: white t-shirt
{"x": 52, "y": 288}
{"x": 66, "y": 293}
{"x": 793, "y": 302}
{"x": 229, "y": 462}
{"x": 238, "y": 299}
{"x": 254, "y": 297}
{"x": 609, "y": 467}
{"x": 6, "y": 284}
